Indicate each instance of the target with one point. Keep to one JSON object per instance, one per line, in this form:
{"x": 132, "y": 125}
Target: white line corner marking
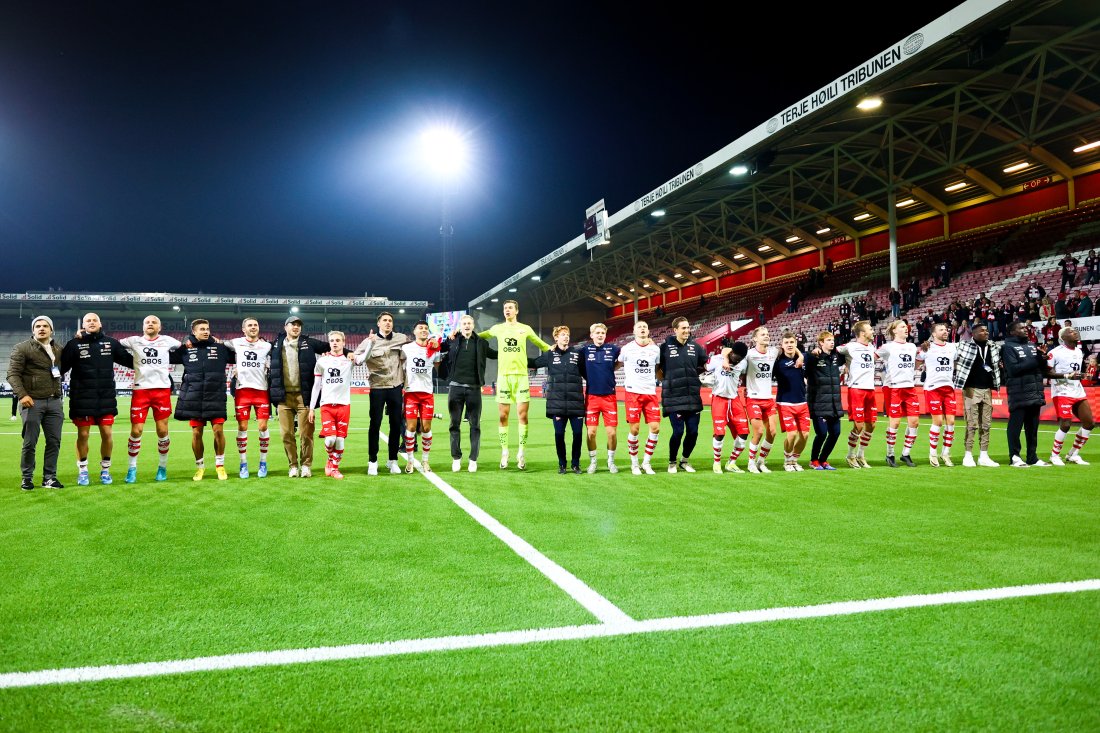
{"x": 594, "y": 603}
{"x": 532, "y": 636}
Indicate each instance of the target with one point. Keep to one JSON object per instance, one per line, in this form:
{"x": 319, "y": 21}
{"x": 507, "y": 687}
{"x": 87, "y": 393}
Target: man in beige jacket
{"x": 387, "y": 378}
{"x": 34, "y": 373}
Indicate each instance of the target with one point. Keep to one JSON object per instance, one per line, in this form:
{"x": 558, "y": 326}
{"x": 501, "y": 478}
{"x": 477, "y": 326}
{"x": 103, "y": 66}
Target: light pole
{"x": 445, "y": 153}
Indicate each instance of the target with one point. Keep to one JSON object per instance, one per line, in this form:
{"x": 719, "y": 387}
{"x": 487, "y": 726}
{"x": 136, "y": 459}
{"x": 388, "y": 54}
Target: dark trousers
{"x": 14, "y": 405}
{"x": 826, "y": 433}
{"x": 1067, "y": 280}
{"x": 46, "y": 416}
{"x": 468, "y": 398}
{"x": 1028, "y": 419}
{"x": 388, "y": 399}
{"x": 681, "y": 422}
{"x": 559, "y": 439}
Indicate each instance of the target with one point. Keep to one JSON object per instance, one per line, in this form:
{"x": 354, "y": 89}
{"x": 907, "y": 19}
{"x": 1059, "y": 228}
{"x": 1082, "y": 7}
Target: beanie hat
{"x": 47, "y": 319}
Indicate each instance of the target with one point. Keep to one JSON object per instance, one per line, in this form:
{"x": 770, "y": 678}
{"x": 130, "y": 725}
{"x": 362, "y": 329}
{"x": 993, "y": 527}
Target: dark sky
{"x": 270, "y": 148}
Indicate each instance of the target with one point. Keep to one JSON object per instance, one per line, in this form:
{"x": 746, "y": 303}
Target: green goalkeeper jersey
{"x": 512, "y": 341}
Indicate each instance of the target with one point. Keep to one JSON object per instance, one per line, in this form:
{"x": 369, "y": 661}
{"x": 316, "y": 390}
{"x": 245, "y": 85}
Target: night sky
{"x": 269, "y": 148}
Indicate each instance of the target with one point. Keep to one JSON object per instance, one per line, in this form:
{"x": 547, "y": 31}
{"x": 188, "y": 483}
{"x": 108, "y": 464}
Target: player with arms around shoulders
{"x": 513, "y": 384}
{"x": 1064, "y": 364}
{"x": 790, "y": 398}
{"x": 760, "y": 403}
{"x": 564, "y": 394}
{"x": 939, "y": 392}
{"x": 253, "y": 364}
{"x": 332, "y": 393}
{"x": 639, "y": 359}
{"x": 152, "y": 391}
{"x": 419, "y": 359}
{"x": 978, "y": 375}
{"x": 859, "y": 354}
{"x": 682, "y": 361}
{"x": 600, "y": 398}
{"x": 899, "y": 391}
{"x": 727, "y": 411}
{"x": 202, "y": 392}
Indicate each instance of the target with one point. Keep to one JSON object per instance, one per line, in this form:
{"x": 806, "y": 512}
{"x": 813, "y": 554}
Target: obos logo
{"x": 332, "y": 372}
{"x": 418, "y": 362}
{"x": 251, "y": 356}
{"x": 944, "y": 364}
{"x": 906, "y": 360}
{"x": 867, "y": 358}
{"x": 150, "y": 352}
{"x": 912, "y": 44}
{"x": 642, "y": 366}
{"x": 511, "y": 344}
{"x": 773, "y": 125}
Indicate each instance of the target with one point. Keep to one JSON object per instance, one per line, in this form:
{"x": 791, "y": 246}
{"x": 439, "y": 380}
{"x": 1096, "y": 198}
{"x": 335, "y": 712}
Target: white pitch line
{"x": 594, "y": 603}
{"x": 73, "y": 675}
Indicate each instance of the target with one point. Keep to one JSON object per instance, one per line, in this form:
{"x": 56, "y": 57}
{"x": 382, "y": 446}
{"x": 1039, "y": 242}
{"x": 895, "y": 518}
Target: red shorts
{"x": 639, "y": 404}
{"x": 1064, "y": 406}
{"x": 940, "y": 401}
{"x": 795, "y": 418}
{"x": 83, "y": 422}
{"x": 861, "y": 405}
{"x": 160, "y": 400}
{"x": 248, "y": 398}
{"x": 201, "y": 423}
{"x": 760, "y": 409}
{"x": 601, "y": 404}
{"x": 901, "y": 401}
{"x": 334, "y": 420}
{"x": 728, "y": 411}
{"x": 419, "y": 405}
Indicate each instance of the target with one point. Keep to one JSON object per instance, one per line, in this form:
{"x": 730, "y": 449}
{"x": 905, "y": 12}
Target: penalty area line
{"x": 532, "y": 636}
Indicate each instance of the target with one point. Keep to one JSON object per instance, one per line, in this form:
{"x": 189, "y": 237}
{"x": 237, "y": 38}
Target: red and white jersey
{"x": 725, "y": 380}
{"x": 939, "y": 365}
{"x": 640, "y": 367}
{"x": 151, "y": 367}
{"x": 252, "y": 362}
{"x": 758, "y": 372}
{"x": 861, "y": 364}
{"x": 1063, "y": 361}
{"x": 418, "y": 367}
{"x": 334, "y": 375}
{"x": 900, "y": 358}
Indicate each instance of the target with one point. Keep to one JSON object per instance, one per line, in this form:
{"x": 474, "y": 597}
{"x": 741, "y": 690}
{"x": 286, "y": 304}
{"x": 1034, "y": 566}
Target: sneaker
{"x": 105, "y": 477}
{"x": 817, "y": 466}
{"x": 717, "y": 467}
{"x": 262, "y": 472}
{"x": 1076, "y": 458}
{"x": 634, "y": 469}
{"x": 1054, "y": 461}
{"x": 686, "y": 467}
{"x": 732, "y": 467}
{"x": 456, "y": 465}
{"x": 199, "y": 472}
{"x": 293, "y": 472}
{"x": 504, "y": 458}
{"x": 409, "y": 467}
{"x": 27, "y": 485}
{"x": 763, "y": 466}
{"x": 648, "y": 469}
{"x": 754, "y": 467}
{"x": 13, "y": 419}
{"x": 561, "y": 470}
{"x": 472, "y": 468}
{"x": 394, "y": 466}
{"x": 611, "y": 467}
{"x": 946, "y": 458}
{"x": 220, "y": 471}
{"x": 425, "y": 466}
{"x": 52, "y": 483}
{"x": 891, "y": 461}
{"x": 989, "y": 462}
{"x": 672, "y": 468}
{"x": 244, "y": 470}
{"x": 372, "y": 468}
{"x": 162, "y": 473}
{"x": 592, "y": 466}
{"x": 1041, "y": 464}
{"x": 1018, "y": 462}
{"x": 853, "y": 462}
{"x": 933, "y": 460}
{"x": 577, "y": 470}
{"x": 305, "y": 472}
{"x": 863, "y": 462}
{"x": 798, "y": 466}
{"x": 131, "y": 475}
{"x": 968, "y": 461}
{"x": 82, "y": 478}
{"x": 337, "y": 475}
{"x": 788, "y": 467}
{"x": 908, "y": 460}
{"x": 825, "y": 466}
{"x": 521, "y": 461}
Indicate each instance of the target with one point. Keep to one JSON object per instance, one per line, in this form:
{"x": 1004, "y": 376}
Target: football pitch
{"x": 926, "y": 598}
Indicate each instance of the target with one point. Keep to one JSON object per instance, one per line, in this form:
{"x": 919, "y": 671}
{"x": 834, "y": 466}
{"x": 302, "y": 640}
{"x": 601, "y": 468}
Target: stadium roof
{"x": 966, "y": 101}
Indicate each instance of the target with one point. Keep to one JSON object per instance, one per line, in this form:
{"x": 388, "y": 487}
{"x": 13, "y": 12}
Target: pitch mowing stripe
{"x": 593, "y": 602}
{"x": 531, "y": 636}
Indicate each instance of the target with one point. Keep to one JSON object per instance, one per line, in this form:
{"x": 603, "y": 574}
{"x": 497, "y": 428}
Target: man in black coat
{"x": 91, "y": 357}
{"x": 1023, "y": 372}
{"x": 682, "y": 361}
{"x": 465, "y": 354}
{"x": 290, "y": 383}
{"x": 202, "y": 392}
{"x": 564, "y": 392}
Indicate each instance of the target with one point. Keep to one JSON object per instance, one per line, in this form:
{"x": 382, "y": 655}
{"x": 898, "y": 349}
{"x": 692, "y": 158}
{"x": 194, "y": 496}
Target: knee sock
{"x": 242, "y": 445}
{"x": 738, "y": 448}
{"x": 265, "y": 441}
{"x": 765, "y": 449}
{"x": 133, "y": 447}
{"x": 933, "y": 438}
{"x": 853, "y": 443}
{"x": 632, "y": 446}
{"x": 425, "y": 444}
{"x": 650, "y": 446}
{"x": 219, "y": 460}
{"x": 864, "y": 441}
{"x": 1059, "y": 438}
{"x": 910, "y": 439}
{"x": 753, "y": 448}
{"x": 1079, "y": 441}
{"x": 82, "y": 466}
{"x": 502, "y": 434}
{"x": 891, "y": 440}
{"x": 948, "y": 438}
{"x": 336, "y": 452}
{"x": 523, "y": 436}
{"x": 162, "y": 449}
{"x": 410, "y": 441}
{"x": 716, "y": 444}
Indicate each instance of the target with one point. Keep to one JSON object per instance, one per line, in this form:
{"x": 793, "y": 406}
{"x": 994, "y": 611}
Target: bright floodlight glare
{"x": 444, "y": 150}
{"x": 868, "y": 103}
{"x": 739, "y": 170}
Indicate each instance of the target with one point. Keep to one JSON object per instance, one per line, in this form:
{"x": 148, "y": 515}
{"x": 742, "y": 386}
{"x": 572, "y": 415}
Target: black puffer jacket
{"x": 681, "y": 365}
{"x": 1024, "y": 367}
{"x": 91, "y": 360}
{"x": 823, "y": 384}
{"x": 308, "y": 349}
{"x": 564, "y": 386}
{"x": 202, "y": 392}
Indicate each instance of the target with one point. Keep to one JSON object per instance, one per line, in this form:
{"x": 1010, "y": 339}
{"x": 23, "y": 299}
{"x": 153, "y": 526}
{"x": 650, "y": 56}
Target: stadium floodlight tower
{"x": 445, "y": 152}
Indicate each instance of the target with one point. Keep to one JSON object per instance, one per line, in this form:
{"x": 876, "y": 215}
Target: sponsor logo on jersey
{"x": 511, "y": 345}
{"x": 641, "y": 366}
{"x": 150, "y": 352}
{"x": 418, "y": 362}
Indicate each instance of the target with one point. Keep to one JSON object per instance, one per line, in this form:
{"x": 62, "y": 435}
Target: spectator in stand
{"x": 1030, "y": 332}
{"x": 792, "y": 302}
{"x": 942, "y": 274}
{"x": 960, "y": 312}
{"x": 1069, "y": 270}
{"x": 1032, "y": 312}
{"x": 1071, "y": 306}
{"x": 845, "y": 312}
{"x": 963, "y": 332}
{"x": 1050, "y": 332}
{"x": 861, "y": 308}
{"x": 989, "y": 320}
{"x": 1046, "y": 308}
{"x": 914, "y": 292}
{"x": 1035, "y": 291}
{"x": 1084, "y": 305}
{"x": 1092, "y": 268}
{"x": 760, "y": 314}
{"x": 1005, "y": 315}
{"x": 833, "y": 328}
{"x": 828, "y": 266}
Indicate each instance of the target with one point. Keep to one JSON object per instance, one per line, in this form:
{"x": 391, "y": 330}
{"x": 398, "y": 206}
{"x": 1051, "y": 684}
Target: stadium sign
{"x": 1089, "y": 328}
{"x": 195, "y": 299}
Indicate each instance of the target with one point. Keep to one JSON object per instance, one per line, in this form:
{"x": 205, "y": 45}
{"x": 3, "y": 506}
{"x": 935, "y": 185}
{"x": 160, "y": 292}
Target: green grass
{"x": 103, "y": 575}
